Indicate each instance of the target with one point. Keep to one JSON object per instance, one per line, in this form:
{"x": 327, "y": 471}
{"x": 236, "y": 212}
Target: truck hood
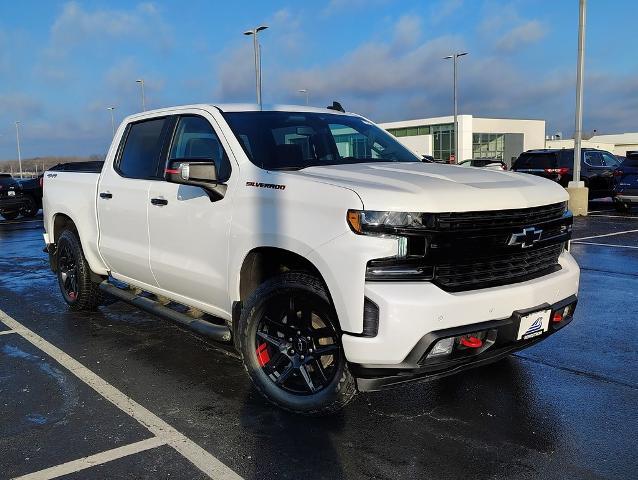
{"x": 431, "y": 187}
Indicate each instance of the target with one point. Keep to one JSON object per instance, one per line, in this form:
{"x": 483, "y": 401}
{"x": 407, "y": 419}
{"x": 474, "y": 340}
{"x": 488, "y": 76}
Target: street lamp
{"x": 578, "y": 194}
{"x": 18, "y": 143}
{"x": 141, "y": 82}
{"x": 112, "y": 119}
{"x": 454, "y": 57}
{"x": 306, "y": 93}
{"x": 257, "y": 52}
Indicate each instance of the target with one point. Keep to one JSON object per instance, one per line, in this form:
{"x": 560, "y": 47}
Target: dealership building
{"x": 501, "y": 138}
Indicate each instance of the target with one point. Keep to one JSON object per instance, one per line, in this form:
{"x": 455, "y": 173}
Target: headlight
{"x": 371, "y": 222}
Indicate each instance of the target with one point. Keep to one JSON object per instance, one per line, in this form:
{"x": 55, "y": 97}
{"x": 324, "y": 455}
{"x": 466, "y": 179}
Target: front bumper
{"x": 409, "y": 311}
{"x": 416, "y": 368}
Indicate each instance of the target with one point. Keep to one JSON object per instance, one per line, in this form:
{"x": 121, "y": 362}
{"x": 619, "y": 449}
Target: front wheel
{"x": 80, "y": 292}
{"x": 10, "y": 215}
{"x": 290, "y": 343}
{"x": 30, "y": 208}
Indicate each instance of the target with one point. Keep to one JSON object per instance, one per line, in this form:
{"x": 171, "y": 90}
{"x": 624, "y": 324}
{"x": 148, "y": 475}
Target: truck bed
{"x": 74, "y": 195}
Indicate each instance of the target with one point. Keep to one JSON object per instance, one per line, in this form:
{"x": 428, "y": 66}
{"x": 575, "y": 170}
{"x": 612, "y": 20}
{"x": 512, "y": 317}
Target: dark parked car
{"x": 13, "y": 201}
{"x": 626, "y": 183}
{"x": 596, "y": 168}
{"x": 489, "y": 163}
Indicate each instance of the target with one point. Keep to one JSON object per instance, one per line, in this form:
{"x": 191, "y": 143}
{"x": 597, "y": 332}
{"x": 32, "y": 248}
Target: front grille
{"x": 519, "y": 217}
{"x": 501, "y": 269}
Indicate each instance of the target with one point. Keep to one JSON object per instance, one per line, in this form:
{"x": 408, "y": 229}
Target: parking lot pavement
{"x": 565, "y": 408}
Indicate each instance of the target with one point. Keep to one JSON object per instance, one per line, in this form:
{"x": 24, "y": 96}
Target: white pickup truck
{"x": 332, "y": 256}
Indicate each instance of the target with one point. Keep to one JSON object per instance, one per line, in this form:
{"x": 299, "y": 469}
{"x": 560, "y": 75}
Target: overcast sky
{"x": 63, "y": 63}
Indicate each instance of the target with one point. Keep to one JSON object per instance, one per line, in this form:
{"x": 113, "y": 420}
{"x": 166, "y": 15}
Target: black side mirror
{"x": 198, "y": 174}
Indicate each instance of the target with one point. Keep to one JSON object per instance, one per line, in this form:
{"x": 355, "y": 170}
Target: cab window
{"x": 142, "y": 150}
{"x": 195, "y": 140}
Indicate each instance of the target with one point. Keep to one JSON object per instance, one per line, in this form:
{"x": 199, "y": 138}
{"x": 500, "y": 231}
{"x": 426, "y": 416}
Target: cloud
{"x": 444, "y": 9}
{"x": 521, "y": 35}
{"x": 18, "y": 105}
{"x": 339, "y": 6}
{"x": 407, "y": 31}
{"x": 76, "y": 25}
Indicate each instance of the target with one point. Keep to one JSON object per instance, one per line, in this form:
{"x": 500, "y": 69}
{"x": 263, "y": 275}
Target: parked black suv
{"x": 13, "y": 201}
{"x": 596, "y": 168}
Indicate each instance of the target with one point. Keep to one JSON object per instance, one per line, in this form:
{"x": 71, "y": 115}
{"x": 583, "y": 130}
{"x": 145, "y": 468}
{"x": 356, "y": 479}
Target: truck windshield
{"x": 292, "y": 141}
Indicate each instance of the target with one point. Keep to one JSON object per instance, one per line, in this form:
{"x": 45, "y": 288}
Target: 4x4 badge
{"x": 527, "y": 238}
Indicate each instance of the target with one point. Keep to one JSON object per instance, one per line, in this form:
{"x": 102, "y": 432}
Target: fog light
{"x": 442, "y": 347}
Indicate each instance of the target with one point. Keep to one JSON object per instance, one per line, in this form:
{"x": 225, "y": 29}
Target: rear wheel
{"x": 291, "y": 346}
{"x": 80, "y": 292}
{"x": 10, "y": 215}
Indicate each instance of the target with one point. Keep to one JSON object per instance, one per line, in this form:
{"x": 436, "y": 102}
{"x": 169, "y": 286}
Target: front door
{"x": 123, "y": 201}
{"x": 189, "y": 231}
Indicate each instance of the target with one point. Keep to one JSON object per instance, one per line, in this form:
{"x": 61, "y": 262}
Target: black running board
{"x": 221, "y": 333}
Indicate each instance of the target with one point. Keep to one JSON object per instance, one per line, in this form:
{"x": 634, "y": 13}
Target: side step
{"x": 221, "y": 333}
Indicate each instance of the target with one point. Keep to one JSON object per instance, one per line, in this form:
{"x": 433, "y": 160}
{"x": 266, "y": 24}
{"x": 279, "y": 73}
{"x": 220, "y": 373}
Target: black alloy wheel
{"x": 79, "y": 289}
{"x": 68, "y": 271}
{"x": 297, "y": 345}
{"x": 290, "y": 341}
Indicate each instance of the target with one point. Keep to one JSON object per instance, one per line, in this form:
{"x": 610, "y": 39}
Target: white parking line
{"x": 614, "y": 216}
{"x": 604, "y": 244}
{"x": 606, "y": 235}
{"x": 93, "y": 460}
{"x": 7, "y": 332}
{"x": 199, "y": 457}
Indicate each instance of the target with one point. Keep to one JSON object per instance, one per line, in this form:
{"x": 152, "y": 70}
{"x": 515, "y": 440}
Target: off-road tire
{"x": 331, "y": 398}
{"x": 88, "y": 295}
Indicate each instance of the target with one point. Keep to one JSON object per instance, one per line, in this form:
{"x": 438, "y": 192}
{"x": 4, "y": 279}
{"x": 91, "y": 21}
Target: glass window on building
{"x": 443, "y": 142}
{"x": 488, "y": 145}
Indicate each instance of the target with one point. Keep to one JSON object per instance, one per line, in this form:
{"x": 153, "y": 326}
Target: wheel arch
{"x": 261, "y": 263}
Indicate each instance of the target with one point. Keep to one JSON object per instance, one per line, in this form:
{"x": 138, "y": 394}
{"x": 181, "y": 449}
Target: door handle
{"x": 106, "y": 195}
{"x": 159, "y": 201}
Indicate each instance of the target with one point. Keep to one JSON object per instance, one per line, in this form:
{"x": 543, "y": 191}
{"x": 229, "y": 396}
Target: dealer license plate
{"x": 11, "y": 193}
{"x": 533, "y": 324}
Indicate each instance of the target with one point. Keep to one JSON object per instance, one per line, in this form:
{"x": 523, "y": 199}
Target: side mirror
{"x": 198, "y": 174}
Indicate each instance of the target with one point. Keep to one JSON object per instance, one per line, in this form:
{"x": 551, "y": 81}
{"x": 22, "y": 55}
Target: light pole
{"x": 141, "y": 82}
{"x": 257, "y": 52}
{"x": 18, "y": 143}
{"x": 112, "y": 119}
{"x": 454, "y": 57}
{"x": 578, "y": 193}
{"x": 306, "y": 93}
{"x": 578, "y": 131}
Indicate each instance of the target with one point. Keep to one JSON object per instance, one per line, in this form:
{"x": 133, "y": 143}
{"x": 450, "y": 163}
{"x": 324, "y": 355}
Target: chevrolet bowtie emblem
{"x": 527, "y": 238}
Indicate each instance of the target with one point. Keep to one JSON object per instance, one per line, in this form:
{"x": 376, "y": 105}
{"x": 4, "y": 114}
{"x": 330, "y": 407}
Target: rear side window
{"x": 196, "y": 140}
{"x": 536, "y": 160}
{"x": 142, "y": 149}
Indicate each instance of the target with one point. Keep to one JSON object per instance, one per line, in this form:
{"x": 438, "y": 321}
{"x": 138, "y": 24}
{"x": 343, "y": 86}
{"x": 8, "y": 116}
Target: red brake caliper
{"x": 262, "y": 354}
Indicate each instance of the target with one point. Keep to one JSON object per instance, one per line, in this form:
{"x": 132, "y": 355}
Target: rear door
{"x": 123, "y": 199}
{"x": 189, "y": 231}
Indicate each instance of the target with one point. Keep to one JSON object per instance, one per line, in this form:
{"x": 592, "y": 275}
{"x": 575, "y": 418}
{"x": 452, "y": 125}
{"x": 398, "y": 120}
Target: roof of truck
{"x": 237, "y": 107}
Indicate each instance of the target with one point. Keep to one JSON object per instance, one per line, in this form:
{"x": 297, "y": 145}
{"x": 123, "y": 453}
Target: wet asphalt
{"x": 565, "y": 408}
